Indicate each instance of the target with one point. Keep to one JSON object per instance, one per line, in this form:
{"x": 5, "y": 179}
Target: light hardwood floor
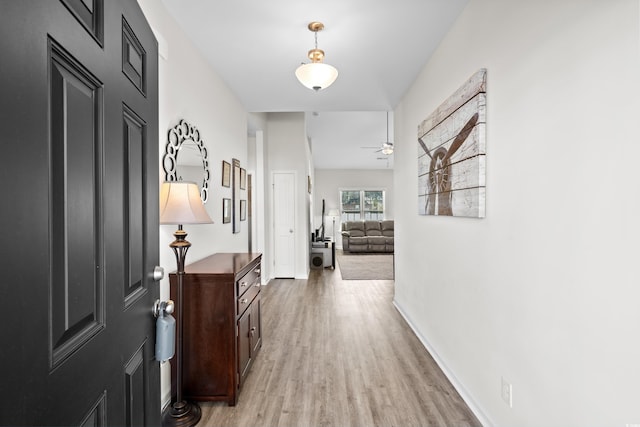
{"x": 337, "y": 353}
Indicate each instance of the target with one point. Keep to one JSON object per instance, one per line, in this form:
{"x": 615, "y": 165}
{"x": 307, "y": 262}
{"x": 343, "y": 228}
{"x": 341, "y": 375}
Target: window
{"x": 361, "y": 204}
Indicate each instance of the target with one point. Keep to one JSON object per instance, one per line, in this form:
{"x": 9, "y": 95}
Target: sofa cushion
{"x": 358, "y": 241}
{"x": 376, "y": 240}
{"x": 355, "y": 228}
{"x": 358, "y": 244}
{"x": 376, "y": 243}
{"x": 387, "y": 227}
{"x": 372, "y": 228}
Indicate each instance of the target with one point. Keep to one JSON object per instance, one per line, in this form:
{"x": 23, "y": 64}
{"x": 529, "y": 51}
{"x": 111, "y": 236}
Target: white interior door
{"x": 284, "y": 223}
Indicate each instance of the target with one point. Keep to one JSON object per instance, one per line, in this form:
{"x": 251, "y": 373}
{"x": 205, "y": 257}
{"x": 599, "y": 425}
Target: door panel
{"x": 81, "y": 155}
{"x": 284, "y": 223}
{"x": 135, "y": 389}
{"x": 97, "y": 416}
{"x": 256, "y": 326}
{"x": 133, "y": 57}
{"x": 77, "y": 303}
{"x": 134, "y": 149}
{"x": 90, "y": 14}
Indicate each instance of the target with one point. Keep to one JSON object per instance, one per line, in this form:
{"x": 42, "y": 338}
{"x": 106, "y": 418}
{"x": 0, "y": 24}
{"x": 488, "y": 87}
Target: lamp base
{"x": 182, "y": 414}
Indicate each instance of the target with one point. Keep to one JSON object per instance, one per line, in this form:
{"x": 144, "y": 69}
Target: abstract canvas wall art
{"x": 451, "y": 153}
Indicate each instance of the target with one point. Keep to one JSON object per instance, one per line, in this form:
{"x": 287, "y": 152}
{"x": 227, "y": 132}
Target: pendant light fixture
{"x": 387, "y": 147}
{"x": 316, "y": 75}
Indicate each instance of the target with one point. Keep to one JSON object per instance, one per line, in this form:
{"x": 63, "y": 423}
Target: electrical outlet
{"x": 507, "y": 392}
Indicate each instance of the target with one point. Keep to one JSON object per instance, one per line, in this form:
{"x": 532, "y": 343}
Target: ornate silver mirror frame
{"x": 182, "y": 137}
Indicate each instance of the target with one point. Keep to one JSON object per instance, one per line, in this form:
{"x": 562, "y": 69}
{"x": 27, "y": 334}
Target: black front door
{"x": 79, "y": 197}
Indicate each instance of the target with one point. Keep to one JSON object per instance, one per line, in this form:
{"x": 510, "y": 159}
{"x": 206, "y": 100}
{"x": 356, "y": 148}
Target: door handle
{"x": 163, "y": 306}
{"x": 158, "y": 273}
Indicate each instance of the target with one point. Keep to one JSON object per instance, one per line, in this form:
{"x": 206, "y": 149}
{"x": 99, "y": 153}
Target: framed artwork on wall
{"x": 226, "y": 211}
{"x": 226, "y": 174}
{"x": 243, "y": 179}
{"x": 451, "y": 153}
{"x": 243, "y": 210}
{"x": 235, "y": 195}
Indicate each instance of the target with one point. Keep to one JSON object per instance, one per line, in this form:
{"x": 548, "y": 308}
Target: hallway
{"x": 338, "y": 353}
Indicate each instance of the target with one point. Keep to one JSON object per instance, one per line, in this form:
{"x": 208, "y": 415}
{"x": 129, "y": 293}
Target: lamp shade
{"x": 316, "y": 75}
{"x": 333, "y": 212}
{"x": 180, "y": 203}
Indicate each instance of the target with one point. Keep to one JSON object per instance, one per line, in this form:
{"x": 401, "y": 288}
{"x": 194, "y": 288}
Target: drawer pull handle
{"x": 257, "y": 285}
{"x": 243, "y": 284}
{"x": 253, "y": 331}
{"x": 244, "y": 301}
{"x": 257, "y": 271}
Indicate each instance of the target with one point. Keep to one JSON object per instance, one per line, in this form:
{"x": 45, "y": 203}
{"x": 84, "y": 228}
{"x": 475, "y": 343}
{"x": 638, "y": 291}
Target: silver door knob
{"x": 158, "y": 273}
{"x": 163, "y": 306}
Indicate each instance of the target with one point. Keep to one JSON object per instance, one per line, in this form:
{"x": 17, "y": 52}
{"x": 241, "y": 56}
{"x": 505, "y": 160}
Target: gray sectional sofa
{"x": 367, "y": 236}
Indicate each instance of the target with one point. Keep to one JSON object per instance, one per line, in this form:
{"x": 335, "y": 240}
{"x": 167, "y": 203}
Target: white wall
{"x": 329, "y": 182}
{"x": 191, "y": 90}
{"x": 544, "y": 291}
{"x": 288, "y": 150}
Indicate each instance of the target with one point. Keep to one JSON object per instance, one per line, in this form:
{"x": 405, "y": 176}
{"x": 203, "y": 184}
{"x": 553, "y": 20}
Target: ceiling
{"x": 378, "y": 47}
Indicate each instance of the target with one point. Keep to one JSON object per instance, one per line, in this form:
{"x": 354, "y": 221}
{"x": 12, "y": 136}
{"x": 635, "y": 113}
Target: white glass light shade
{"x": 316, "y": 75}
{"x": 180, "y": 203}
{"x": 387, "y": 150}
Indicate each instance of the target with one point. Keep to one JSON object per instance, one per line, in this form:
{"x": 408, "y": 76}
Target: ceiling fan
{"x": 387, "y": 146}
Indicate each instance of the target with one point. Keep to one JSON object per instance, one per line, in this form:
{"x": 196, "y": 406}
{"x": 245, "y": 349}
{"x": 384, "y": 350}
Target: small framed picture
{"x": 243, "y": 179}
{"x": 243, "y": 210}
{"x": 226, "y": 174}
{"x": 226, "y": 211}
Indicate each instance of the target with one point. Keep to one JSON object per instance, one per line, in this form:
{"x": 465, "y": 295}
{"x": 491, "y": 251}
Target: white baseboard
{"x": 480, "y": 415}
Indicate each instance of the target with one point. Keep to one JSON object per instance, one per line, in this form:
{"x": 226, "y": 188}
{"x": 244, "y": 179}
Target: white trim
{"x": 475, "y": 408}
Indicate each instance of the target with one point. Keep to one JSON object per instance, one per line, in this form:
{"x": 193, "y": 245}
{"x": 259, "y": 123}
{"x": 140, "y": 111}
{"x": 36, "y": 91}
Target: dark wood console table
{"x": 222, "y": 332}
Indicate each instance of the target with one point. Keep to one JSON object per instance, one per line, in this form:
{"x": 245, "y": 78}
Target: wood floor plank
{"x": 338, "y": 353}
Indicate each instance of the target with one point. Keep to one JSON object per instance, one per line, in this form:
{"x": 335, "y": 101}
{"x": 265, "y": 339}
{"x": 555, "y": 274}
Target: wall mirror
{"x": 186, "y": 157}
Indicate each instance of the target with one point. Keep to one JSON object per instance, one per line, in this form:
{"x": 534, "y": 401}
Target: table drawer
{"x": 245, "y": 299}
{"x": 244, "y": 284}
